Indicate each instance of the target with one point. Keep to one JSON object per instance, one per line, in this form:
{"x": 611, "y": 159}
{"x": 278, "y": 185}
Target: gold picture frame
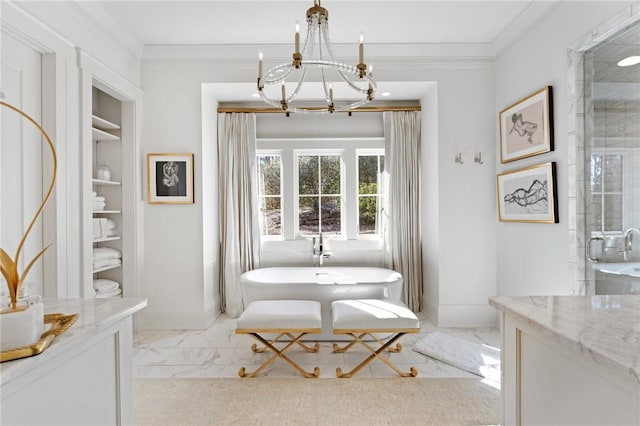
{"x": 526, "y": 127}
{"x": 170, "y": 178}
{"x": 528, "y": 194}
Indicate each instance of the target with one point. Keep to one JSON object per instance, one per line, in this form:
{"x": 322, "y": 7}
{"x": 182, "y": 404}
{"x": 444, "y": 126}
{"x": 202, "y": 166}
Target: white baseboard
{"x": 431, "y": 312}
{"x": 466, "y": 316}
{"x": 199, "y": 320}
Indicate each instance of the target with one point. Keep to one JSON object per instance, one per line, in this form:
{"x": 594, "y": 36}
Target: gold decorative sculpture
{"x": 8, "y": 265}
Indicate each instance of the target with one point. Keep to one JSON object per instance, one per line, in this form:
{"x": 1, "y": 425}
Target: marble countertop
{"x": 94, "y": 315}
{"x": 603, "y": 328}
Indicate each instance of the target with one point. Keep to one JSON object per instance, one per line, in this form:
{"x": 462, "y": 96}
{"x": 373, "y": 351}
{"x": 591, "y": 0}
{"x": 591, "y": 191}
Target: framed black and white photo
{"x": 526, "y": 127}
{"x": 170, "y": 178}
{"x": 528, "y": 194}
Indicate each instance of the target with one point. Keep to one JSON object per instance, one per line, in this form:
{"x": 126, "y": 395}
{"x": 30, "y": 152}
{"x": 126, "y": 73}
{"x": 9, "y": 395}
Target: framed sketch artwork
{"x": 528, "y": 194}
{"x": 170, "y": 178}
{"x": 526, "y": 127}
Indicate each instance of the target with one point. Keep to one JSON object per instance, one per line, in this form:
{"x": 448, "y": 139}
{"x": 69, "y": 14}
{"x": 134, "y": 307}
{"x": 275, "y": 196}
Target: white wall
{"x": 533, "y": 259}
{"x": 179, "y": 239}
{"x": 459, "y": 237}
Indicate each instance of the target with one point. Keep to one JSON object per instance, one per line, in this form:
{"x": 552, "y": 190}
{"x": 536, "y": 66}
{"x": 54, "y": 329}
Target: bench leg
{"x": 307, "y": 348}
{"x": 375, "y": 354}
{"x": 338, "y": 349}
{"x": 279, "y": 353}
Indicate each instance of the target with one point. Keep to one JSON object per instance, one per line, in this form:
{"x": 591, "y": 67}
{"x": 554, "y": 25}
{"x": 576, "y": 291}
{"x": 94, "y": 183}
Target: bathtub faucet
{"x": 319, "y": 251}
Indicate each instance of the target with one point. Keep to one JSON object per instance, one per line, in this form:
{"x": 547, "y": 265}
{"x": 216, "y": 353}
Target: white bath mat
{"x": 475, "y": 358}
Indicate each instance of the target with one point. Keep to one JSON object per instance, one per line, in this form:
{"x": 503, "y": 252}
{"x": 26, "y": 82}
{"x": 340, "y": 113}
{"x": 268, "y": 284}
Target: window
{"x": 270, "y": 194}
{"x": 328, "y": 185}
{"x": 319, "y": 194}
{"x": 607, "y": 191}
{"x": 370, "y": 203}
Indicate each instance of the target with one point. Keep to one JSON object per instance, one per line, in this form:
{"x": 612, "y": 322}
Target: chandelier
{"x": 317, "y": 57}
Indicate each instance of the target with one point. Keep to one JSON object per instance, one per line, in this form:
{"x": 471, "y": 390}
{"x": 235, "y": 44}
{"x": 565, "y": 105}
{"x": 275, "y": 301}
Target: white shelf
{"x": 106, "y": 268}
{"x": 106, "y": 212}
{"x": 104, "y": 182}
{"x": 102, "y": 136}
{"x": 102, "y": 240}
{"x": 103, "y": 124}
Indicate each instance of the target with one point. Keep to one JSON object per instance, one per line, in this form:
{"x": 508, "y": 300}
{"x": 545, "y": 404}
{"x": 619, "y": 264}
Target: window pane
{"x": 330, "y": 174}
{"x": 271, "y": 220}
{"x": 330, "y": 215}
{"x": 613, "y": 173}
{"x": 308, "y": 215}
{"x": 596, "y": 173}
{"x": 597, "y": 212}
{"x": 308, "y": 174}
{"x": 269, "y": 174}
{"x": 368, "y": 174}
{"x": 367, "y": 214}
{"x": 381, "y": 163}
{"x": 613, "y": 213}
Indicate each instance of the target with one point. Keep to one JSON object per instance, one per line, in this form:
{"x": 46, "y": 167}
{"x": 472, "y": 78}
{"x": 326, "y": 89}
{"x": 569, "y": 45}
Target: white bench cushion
{"x": 281, "y": 315}
{"x": 372, "y": 314}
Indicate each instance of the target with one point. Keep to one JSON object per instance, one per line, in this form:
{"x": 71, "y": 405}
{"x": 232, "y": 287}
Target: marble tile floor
{"x": 219, "y": 353}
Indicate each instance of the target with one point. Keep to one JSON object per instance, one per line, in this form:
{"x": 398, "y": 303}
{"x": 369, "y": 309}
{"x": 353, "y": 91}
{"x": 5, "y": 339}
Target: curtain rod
{"x": 270, "y": 110}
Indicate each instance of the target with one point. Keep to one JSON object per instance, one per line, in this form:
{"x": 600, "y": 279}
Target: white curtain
{"x": 401, "y": 214}
{"x": 239, "y": 231}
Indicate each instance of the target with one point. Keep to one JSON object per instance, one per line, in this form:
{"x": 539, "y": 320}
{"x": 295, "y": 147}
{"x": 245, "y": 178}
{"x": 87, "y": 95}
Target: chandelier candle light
{"x": 317, "y": 56}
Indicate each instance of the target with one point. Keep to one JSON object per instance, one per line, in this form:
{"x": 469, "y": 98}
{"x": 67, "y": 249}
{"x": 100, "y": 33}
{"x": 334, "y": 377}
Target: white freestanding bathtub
{"x": 323, "y": 284}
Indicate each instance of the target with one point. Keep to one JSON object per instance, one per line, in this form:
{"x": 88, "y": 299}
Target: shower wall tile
{"x": 613, "y": 23}
{"x": 573, "y": 255}
{"x": 571, "y": 187}
{"x": 571, "y": 212}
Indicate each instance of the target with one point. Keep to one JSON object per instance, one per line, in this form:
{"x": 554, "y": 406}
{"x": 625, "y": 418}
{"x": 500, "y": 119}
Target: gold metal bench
{"x": 291, "y": 319}
{"x": 364, "y": 317}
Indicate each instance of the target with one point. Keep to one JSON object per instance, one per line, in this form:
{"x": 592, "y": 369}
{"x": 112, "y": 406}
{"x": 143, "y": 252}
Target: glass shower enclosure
{"x": 612, "y": 165}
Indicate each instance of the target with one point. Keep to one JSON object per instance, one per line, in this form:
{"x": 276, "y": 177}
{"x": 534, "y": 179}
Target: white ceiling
{"x": 267, "y": 22}
{"x": 474, "y": 23}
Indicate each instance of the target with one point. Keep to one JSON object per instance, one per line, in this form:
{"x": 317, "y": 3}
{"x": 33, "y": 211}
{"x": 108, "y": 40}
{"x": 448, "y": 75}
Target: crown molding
{"x": 73, "y": 20}
{"x": 410, "y": 54}
{"x": 532, "y": 15}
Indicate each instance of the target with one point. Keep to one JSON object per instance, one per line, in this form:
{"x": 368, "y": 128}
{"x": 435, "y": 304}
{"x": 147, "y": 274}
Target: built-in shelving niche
{"x": 107, "y": 151}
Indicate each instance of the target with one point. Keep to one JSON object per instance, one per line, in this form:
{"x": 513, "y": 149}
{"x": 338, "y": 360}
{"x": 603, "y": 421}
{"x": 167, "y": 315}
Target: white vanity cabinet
{"x": 570, "y": 360}
{"x": 84, "y": 378}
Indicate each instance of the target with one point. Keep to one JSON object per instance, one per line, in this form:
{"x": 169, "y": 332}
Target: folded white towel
{"x": 101, "y": 285}
{"x": 105, "y": 262}
{"x": 111, "y": 224}
{"x": 100, "y": 253}
{"x": 113, "y": 293}
{"x": 94, "y": 193}
{"x": 98, "y": 198}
